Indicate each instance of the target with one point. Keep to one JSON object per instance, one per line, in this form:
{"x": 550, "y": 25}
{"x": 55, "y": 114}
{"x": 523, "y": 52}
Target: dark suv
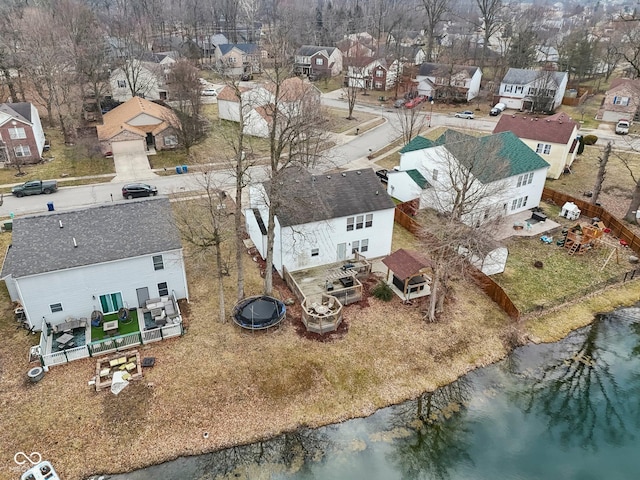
{"x": 134, "y": 190}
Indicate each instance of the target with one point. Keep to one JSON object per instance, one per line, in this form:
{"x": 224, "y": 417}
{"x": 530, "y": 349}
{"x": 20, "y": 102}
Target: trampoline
{"x": 259, "y": 312}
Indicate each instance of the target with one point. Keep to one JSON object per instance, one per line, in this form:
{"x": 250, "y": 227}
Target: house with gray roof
{"x": 322, "y": 219}
{"x": 21, "y": 135}
{"x": 103, "y": 258}
{"x": 533, "y": 90}
{"x": 499, "y": 175}
{"x": 318, "y": 62}
{"x": 442, "y": 81}
{"x": 238, "y": 58}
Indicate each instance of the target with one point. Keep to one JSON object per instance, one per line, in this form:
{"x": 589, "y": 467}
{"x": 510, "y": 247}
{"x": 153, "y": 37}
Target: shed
{"x": 408, "y": 273}
{"x": 493, "y": 262}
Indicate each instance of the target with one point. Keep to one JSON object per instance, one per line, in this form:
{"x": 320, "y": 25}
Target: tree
{"x": 358, "y": 78}
{"x": 602, "y": 171}
{"x": 490, "y": 11}
{"x": 435, "y": 11}
{"x": 543, "y": 91}
{"x": 411, "y": 121}
{"x": 204, "y": 224}
{"x": 522, "y": 50}
{"x": 187, "y": 119}
{"x": 296, "y": 130}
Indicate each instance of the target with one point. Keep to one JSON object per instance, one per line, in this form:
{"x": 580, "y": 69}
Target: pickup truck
{"x": 35, "y": 187}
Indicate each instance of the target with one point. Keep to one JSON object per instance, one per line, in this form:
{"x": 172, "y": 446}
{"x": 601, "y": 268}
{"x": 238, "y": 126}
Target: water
{"x": 569, "y": 410}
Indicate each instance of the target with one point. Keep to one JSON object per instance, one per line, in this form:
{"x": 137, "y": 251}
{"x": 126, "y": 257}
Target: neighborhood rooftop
{"x": 322, "y": 197}
{"x": 114, "y": 231}
{"x": 555, "y": 130}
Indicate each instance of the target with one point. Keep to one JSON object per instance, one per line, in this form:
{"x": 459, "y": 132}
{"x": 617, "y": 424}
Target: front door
{"x": 143, "y": 296}
{"x": 342, "y": 251}
{"x": 149, "y": 140}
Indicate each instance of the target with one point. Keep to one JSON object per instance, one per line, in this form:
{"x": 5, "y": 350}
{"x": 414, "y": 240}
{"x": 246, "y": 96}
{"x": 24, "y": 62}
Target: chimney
{"x": 75, "y": 244}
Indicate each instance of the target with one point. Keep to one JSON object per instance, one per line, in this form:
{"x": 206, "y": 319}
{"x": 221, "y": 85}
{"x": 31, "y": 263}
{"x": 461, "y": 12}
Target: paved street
{"x": 350, "y": 152}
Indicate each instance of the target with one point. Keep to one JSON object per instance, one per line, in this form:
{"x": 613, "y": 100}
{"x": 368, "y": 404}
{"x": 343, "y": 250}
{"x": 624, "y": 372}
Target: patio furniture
{"x": 64, "y": 339}
{"x": 108, "y": 327}
{"x": 69, "y": 325}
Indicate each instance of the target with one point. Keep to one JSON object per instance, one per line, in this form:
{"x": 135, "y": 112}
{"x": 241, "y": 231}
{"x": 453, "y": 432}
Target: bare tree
{"x": 187, "y": 119}
{"x": 411, "y": 121}
{"x": 435, "y": 11}
{"x": 490, "y": 11}
{"x": 602, "y": 171}
{"x": 295, "y": 125}
{"x": 203, "y": 224}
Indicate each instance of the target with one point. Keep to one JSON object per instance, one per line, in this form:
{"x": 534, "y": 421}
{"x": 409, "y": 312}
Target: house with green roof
{"x": 495, "y": 175}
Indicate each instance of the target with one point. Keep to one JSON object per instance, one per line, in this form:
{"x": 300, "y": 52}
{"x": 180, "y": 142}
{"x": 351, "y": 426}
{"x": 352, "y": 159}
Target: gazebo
{"x": 408, "y": 273}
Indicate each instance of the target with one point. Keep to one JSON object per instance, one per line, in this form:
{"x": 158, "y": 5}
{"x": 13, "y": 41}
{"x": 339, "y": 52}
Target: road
{"x": 352, "y": 153}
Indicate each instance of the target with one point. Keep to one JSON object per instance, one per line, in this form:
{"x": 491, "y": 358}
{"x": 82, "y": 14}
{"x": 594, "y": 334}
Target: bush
{"x": 382, "y": 291}
{"x": 590, "y": 139}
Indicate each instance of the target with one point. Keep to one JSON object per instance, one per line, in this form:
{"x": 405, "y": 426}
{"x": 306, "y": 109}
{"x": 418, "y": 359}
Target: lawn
{"x": 124, "y": 327}
{"x": 338, "y": 122}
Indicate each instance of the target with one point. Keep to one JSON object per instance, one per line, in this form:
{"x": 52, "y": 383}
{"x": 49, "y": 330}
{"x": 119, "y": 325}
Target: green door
{"x": 112, "y": 302}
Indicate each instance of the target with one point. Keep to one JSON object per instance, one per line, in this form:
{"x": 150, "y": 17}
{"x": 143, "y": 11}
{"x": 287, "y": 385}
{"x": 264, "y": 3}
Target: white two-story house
{"x": 499, "y": 175}
{"x": 71, "y": 263}
{"x": 533, "y": 90}
{"x": 146, "y": 79}
{"x": 322, "y": 219}
{"x": 373, "y": 75}
{"x": 554, "y": 138}
{"x": 448, "y": 82}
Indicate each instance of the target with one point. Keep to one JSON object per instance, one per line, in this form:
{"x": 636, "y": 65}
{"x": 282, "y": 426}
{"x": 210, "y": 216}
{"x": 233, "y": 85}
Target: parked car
{"x": 622, "y": 127}
{"x": 35, "y": 187}
{"x": 497, "y": 109}
{"x": 245, "y": 77}
{"x": 399, "y": 103}
{"x": 135, "y": 190}
{"x": 416, "y": 101}
{"x": 466, "y": 114}
{"x": 210, "y": 92}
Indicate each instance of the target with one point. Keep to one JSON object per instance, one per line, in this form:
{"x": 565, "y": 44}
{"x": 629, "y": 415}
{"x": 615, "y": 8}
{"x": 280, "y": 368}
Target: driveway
{"x": 132, "y": 167}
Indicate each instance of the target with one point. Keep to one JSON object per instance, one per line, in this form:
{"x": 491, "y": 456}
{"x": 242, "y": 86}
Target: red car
{"x": 414, "y": 102}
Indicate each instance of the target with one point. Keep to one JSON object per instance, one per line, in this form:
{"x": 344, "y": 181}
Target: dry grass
{"x": 338, "y": 122}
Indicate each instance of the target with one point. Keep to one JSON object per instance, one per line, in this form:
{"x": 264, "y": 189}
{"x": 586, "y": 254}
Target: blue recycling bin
{"x": 184, "y": 169}
{"x": 178, "y": 169}
{"x": 50, "y": 206}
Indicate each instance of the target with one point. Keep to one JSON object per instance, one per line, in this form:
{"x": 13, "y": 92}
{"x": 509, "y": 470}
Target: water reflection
{"x": 551, "y": 402}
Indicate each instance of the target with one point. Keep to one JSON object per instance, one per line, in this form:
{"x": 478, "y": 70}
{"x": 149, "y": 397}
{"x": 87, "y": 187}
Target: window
{"x": 231, "y": 60}
{"x": 350, "y": 224}
{"x": 525, "y": 179}
{"x": 379, "y": 73}
{"x": 122, "y": 84}
{"x": 368, "y": 220}
{"x": 377, "y": 84}
{"x": 519, "y": 203}
{"x": 315, "y": 252}
{"x": 16, "y": 133}
{"x": 359, "y": 222}
{"x": 355, "y": 246}
{"x": 519, "y": 89}
{"x": 364, "y": 245}
{"x": 508, "y": 88}
{"x": 111, "y": 302}
{"x": 163, "y": 289}
{"x": 22, "y": 151}
{"x": 319, "y": 61}
{"x": 532, "y": 91}
{"x": 621, "y": 100}
{"x": 544, "y": 148}
{"x": 171, "y": 140}
{"x": 55, "y": 307}
{"x": 158, "y": 264}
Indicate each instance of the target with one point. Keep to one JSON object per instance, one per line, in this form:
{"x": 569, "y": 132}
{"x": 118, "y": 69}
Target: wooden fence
{"x": 486, "y": 283}
{"x": 618, "y": 228}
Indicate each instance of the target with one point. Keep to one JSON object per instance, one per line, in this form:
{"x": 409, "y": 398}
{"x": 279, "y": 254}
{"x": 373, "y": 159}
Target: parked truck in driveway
{"x": 35, "y": 187}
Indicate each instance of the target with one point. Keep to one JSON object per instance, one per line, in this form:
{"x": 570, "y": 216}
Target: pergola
{"x": 409, "y": 272}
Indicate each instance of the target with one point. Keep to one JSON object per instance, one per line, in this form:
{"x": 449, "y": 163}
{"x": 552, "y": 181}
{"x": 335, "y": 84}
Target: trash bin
{"x": 184, "y": 169}
{"x": 50, "y": 206}
{"x": 178, "y": 169}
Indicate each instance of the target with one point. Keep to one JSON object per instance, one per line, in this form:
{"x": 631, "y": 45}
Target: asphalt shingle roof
{"x": 102, "y": 233}
{"x": 418, "y": 143}
{"x": 310, "y": 198}
{"x": 509, "y": 151}
{"x": 21, "y": 110}
{"x": 247, "y": 48}
{"x": 551, "y": 129}
{"x": 309, "y": 50}
{"x": 406, "y": 263}
{"x": 525, "y": 76}
{"x": 442, "y": 69}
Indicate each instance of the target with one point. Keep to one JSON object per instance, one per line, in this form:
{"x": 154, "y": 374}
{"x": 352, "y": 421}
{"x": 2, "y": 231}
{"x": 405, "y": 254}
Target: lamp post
{"x": 430, "y": 113}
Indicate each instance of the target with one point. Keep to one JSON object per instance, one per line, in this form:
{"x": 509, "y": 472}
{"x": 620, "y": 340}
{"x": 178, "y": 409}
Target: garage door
{"x": 128, "y": 147}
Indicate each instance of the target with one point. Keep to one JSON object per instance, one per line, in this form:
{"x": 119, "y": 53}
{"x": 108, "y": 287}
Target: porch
{"x": 78, "y": 338}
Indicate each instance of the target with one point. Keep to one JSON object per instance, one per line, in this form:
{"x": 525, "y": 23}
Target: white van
{"x": 497, "y": 109}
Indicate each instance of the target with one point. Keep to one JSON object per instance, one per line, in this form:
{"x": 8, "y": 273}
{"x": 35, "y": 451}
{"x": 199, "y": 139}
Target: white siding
{"x": 144, "y": 119}
{"x": 402, "y": 187}
{"x": 229, "y": 110}
{"x": 79, "y": 289}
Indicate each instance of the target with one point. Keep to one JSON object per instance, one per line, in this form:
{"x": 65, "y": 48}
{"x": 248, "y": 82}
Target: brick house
{"x": 622, "y": 100}
{"x": 21, "y": 134}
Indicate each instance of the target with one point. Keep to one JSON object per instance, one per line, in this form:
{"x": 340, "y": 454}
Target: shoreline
{"x": 626, "y": 294}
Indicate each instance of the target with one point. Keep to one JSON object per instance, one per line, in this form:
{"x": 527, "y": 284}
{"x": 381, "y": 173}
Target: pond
{"x": 567, "y": 410}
